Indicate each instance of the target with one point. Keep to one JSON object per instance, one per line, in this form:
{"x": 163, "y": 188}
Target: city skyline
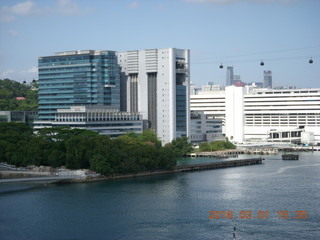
{"x": 239, "y": 33}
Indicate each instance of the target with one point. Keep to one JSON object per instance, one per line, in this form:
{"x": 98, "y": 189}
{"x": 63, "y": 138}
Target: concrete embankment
{"x": 177, "y": 169}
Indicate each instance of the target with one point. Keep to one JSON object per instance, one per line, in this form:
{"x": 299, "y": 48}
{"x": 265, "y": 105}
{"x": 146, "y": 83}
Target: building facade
{"x": 156, "y": 82}
{"x": 205, "y": 128}
{"x": 73, "y": 78}
{"x": 230, "y": 76}
{"x": 234, "y": 113}
{"x": 27, "y": 117}
{"x": 266, "y": 111}
{"x": 99, "y": 119}
{"x": 267, "y": 79}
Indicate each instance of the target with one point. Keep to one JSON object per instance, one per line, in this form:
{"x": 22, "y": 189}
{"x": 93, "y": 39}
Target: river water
{"x": 275, "y": 200}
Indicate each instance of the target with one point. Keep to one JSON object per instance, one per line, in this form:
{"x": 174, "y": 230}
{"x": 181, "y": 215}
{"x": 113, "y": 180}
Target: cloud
{"x": 134, "y": 5}
{"x": 13, "y": 33}
{"x": 24, "y": 8}
{"x": 33, "y": 70}
{"x": 235, "y": 1}
{"x": 20, "y": 75}
{"x": 68, "y": 7}
{"x": 6, "y": 74}
{"x": 5, "y": 16}
{"x": 29, "y": 8}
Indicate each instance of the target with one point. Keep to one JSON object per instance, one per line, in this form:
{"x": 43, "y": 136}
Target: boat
{"x": 290, "y": 157}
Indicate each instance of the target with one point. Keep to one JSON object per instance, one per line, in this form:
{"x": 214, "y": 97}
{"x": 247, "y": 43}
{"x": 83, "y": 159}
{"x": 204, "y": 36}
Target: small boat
{"x": 290, "y": 157}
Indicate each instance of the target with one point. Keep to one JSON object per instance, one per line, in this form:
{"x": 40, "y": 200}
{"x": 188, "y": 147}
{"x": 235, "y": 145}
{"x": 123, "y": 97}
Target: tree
{"x": 216, "y": 146}
{"x": 12, "y": 137}
{"x": 99, "y": 164}
{"x": 167, "y": 158}
{"x": 181, "y": 146}
{"x": 150, "y": 136}
{"x": 10, "y": 89}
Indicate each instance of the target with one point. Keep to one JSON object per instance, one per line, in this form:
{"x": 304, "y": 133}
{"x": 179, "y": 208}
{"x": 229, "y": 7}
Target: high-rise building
{"x": 230, "y": 76}
{"x": 156, "y": 82}
{"x": 234, "y": 113}
{"x": 267, "y": 79}
{"x": 78, "y": 78}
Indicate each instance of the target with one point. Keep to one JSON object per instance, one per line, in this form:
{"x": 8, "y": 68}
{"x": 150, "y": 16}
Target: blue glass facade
{"x": 78, "y": 78}
{"x": 181, "y": 108}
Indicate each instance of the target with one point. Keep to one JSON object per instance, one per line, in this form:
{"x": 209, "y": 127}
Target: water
{"x": 173, "y": 206}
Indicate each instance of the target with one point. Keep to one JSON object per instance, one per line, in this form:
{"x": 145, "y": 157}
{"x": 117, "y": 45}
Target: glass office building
{"x": 78, "y": 78}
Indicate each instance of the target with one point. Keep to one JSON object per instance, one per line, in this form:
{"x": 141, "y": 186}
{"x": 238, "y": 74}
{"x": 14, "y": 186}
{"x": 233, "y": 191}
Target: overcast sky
{"x": 285, "y": 34}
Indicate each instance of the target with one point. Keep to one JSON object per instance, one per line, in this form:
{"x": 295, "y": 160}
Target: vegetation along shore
{"x": 83, "y": 149}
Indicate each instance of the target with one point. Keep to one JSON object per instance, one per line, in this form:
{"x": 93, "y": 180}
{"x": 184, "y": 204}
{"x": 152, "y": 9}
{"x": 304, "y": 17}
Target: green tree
{"x": 167, "y": 158}
{"x": 181, "y": 146}
{"x": 10, "y": 89}
{"x": 216, "y": 146}
{"x": 79, "y": 148}
{"x": 12, "y": 137}
{"x": 101, "y": 165}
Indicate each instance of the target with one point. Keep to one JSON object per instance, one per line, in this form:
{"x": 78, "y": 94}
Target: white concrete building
{"x": 265, "y": 111}
{"x": 156, "y": 83}
{"x": 96, "y": 118}
{"x": 205, "y": 128}
{"x": 234, "y": 113}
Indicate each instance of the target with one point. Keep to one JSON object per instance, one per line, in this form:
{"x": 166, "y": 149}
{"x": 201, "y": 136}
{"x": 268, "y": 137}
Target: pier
{"x": 235, "y": 152}
{"x": 290, "y": 157}
{"x": 217, "y": 154}
{"x": 215, "y": 165}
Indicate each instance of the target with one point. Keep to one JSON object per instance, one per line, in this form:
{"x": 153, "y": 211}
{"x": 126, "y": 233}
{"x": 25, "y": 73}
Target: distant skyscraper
{"x": 78, "y": 78}
{"x": 230, "y": 76}
{"x": 156, "y": 83}
{"x": 267, "y": 79}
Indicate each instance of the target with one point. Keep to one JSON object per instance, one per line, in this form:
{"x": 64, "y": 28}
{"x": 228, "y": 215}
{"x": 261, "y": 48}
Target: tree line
{"x": 79, "y": 148}
{"x": 216, "y": 146}
{"x": 10, "y": 90}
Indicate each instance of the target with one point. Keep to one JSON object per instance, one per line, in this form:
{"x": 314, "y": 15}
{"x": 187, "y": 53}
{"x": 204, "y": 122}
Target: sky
{"x": 284, "y": 34}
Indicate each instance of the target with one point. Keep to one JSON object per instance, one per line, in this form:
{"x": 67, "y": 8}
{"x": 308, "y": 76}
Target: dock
{"x": 215, "y": 165}
{"x": 290, "y": 157}
{"x": 233, "y": 153}
{"x": 217, "y": 154}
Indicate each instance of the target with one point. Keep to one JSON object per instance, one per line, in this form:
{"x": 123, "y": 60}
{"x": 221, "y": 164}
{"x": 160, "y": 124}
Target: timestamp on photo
{"x": 247, "y": 214}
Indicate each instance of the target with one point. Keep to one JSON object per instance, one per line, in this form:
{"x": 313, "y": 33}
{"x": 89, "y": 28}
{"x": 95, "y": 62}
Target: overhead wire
{"x": 229, "y": 60}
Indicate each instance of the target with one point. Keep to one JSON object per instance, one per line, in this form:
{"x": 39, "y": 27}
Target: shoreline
{"x": 178, "y": 169}
{"x": 50, "y": 178}
{"x": 117, "y": 177}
